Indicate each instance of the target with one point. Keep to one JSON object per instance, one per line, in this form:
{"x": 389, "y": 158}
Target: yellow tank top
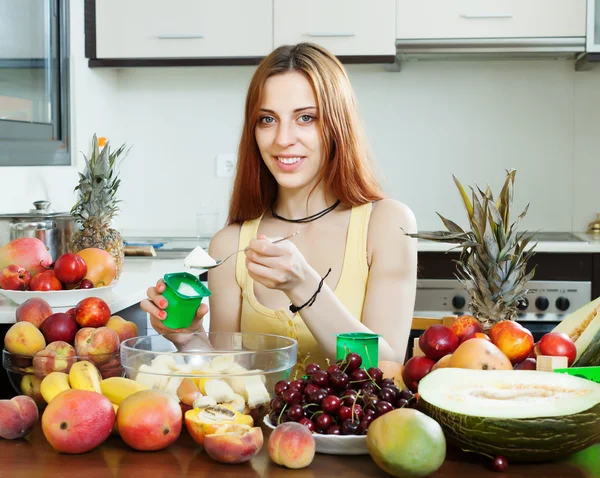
{"x": 350, "y": 290}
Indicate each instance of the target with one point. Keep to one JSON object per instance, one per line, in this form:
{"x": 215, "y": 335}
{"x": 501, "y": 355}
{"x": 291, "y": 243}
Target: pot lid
{"x": 40, "y": 209}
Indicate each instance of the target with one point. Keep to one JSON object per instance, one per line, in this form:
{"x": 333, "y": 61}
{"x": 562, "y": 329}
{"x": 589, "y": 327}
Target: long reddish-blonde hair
{"x": 348, "y": 171}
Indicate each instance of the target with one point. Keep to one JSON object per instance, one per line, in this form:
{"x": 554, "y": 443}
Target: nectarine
{"x": 292, "y": 445}
{"x": 35, "y": 310}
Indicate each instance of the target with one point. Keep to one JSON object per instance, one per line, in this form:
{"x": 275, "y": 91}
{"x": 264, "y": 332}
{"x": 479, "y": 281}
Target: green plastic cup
{"x": 365, "y": 345}
{"x": 589, "y": 373}
{"x": 184, "y": 293}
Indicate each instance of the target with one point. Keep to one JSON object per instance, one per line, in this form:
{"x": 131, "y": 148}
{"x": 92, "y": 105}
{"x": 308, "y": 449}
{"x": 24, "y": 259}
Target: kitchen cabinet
{"x": 345, "y": 27}
{"x": 183, "y": 28}
{"x": 23, "y": 28}
{"x": 465, "y": 19}
{"x": 593, "y": 26}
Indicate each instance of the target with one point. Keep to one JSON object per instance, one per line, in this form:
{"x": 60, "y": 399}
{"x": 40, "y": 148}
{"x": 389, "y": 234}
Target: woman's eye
{"x": 306, "y": 118}
{"x": 267, "y": 120}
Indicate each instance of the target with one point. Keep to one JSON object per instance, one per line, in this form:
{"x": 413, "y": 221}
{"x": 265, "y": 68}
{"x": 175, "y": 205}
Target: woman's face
{"x": 288, "y": 131}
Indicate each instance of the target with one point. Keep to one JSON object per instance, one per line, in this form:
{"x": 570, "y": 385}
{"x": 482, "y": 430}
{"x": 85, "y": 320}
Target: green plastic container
{"x": 184, "y": 293}
{"x": 365, "y": 345}
{"x": 589, "y": 373}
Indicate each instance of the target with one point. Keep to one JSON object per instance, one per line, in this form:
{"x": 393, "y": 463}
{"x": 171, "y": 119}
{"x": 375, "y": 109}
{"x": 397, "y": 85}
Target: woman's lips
{"x": 289, "y": 164}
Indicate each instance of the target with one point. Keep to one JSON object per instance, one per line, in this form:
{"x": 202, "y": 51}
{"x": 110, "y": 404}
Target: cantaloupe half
{"x": 524, "y": 415}
{"x": 583, "y": 326}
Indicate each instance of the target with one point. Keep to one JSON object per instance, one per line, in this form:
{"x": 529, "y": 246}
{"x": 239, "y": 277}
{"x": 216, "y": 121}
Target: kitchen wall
{"x": 425, "y": 123}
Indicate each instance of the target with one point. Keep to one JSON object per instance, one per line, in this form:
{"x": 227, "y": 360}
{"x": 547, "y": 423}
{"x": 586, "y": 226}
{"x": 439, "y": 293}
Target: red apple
{"x": 558, "y": 344}
{"x": 70, "y": 268}
{"x": 14, "y": 277}
{"x": 59, "y": 327}
{"x": 45, "y": 281}
{"x": 92, "y": 312}
{"x": 414, "y": 370}
{"x": 437, "y": 341}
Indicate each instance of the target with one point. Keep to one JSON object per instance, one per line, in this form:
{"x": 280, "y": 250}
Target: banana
{"x": 85, "y": 376}
{"x": 256, "y": 392}
{"x": 115, "y": 428}
{"x": 54, "y": 383}
{"x": 117, "y": 389}
{"x": 238, "y": 403}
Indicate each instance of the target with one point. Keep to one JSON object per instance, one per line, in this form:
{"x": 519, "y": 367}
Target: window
{"x": 34, "y": 86}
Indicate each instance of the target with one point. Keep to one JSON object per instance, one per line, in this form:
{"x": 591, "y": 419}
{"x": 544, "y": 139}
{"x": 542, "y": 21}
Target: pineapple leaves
{"x": 465, "y": 198}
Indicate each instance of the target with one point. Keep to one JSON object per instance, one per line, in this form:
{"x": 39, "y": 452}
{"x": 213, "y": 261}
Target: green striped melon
{"x": 583, "y": 326}
{"x": 524, "y": 415}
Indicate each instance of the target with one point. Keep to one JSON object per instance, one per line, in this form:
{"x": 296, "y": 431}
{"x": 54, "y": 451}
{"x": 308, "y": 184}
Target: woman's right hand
{"x": 155, "y": 305}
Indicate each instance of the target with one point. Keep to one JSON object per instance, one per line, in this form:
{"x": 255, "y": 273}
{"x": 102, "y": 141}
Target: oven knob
{"x": 458, "y": 302}
{"x": 562, "y": 303}
{"x": 523, "y": 304}
{"x": 542, "y": 303}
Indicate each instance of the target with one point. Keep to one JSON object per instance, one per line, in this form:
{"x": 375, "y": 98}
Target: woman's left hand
{"x": 276, "y": 266}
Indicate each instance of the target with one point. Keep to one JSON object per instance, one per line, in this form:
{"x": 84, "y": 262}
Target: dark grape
{"x": 312, "y": 368}
{"x": 334, "y": 430}
{"x": 350, "y": 427}
{"x": 320, "y": 378}
{"x": 339, "y": 380}
{"x": 375, "y": 374}
{"x": 295, "y": 413}
{"x": 291, "y": 396}
{"x": 387, "y": 395}
{"x": 307, "y": 423}
{"x": 281, "y": 387}
{"x": 331, "y": 404}
{"x": 500, "y": 463}
{"x": 383, "y": 407}
{"x": 323, "y": 421}
{"x": 354, "y": 361}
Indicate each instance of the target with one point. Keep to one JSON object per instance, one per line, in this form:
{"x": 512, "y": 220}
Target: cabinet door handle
{"x": 325, "y": 34}
{"x": 179, "y": 36}
{"x": 470, "y": 16}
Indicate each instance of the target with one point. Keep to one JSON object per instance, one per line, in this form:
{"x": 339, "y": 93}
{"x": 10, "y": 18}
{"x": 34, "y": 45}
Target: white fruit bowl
{"x": 60, "y": 298}
{"x": 335, "y": 444}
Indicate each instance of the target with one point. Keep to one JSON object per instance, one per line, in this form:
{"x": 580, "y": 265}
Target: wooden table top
{"x": 33, "y": 457}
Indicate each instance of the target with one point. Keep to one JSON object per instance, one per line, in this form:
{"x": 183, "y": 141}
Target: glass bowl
{"x": 223, "y": 365}
{"x": 26, "y": 376}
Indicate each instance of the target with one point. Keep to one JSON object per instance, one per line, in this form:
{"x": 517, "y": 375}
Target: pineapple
{"x": 97, "y": 203}
{"x": 493, "y": 260}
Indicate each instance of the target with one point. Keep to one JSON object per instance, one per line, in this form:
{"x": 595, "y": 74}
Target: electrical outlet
{"x": 225, "y": 165}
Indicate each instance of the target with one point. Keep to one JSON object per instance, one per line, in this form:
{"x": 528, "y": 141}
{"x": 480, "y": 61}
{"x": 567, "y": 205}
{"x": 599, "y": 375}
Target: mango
{"x": 233, "y": 444}
{"x": 292, "y": 445}
{"x": 28, "y": 252}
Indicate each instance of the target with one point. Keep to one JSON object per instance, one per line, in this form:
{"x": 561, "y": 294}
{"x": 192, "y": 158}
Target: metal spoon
{"x": 218, "y": 263}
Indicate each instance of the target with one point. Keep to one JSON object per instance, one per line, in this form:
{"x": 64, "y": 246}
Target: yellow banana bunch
{"x": 53, "y": 384}
{"x": 85, "y": 376}
{"x": 117, "y": 389}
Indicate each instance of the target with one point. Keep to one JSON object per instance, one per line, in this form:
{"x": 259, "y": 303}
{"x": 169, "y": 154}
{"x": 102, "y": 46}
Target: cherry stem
{"x": 281, "y": 414}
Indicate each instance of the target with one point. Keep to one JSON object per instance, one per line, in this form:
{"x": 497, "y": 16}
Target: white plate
{"x": 60, "y": 298}
{"x": 335, "y": 444}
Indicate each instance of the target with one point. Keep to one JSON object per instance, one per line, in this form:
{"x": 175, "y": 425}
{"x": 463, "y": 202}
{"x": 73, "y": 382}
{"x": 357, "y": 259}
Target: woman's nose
{"x": 286, "y": 134}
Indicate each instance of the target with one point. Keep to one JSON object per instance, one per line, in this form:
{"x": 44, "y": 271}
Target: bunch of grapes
{"x": 342, "y": 400}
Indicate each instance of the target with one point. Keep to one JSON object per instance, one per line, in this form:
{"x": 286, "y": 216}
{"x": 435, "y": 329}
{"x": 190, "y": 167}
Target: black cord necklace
{"x": 307, "y": 218}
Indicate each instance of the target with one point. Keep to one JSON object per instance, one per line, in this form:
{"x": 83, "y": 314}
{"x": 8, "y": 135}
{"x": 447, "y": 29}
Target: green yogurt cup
{"x": 184, "y": 293}
{"x": 365, "y": 345}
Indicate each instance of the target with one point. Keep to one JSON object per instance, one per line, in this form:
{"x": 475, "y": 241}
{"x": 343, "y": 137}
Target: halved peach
{"x": 234, "y": 443}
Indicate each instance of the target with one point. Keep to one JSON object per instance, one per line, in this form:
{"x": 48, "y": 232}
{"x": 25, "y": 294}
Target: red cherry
{"x": 307, "y": 423}
{"x": 330, "y": 404}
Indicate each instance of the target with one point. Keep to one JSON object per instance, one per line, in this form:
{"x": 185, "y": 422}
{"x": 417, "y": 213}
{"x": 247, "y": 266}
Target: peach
{"x": 99, "y": 344}
{"x": 292, "y": 445}
{"x": 125, "y": 329}
{"x": 499, "y": 326}
{"x": 101, "y": 266}
{"x": 188, "y": 391}
{"x": 149, "y": 420}
{"x": 34, "y": 310}
{"x": 515, "y": 342}
{"x": 18, "y": 416}
{"x": 234, "y": 443}
{"x": 92, "y": 312}
{"x": 29, "y": 252}
{"x": 14, "y": 277}
{"x": 24, "y": 338}
{"x": 77, "y": 421}
{"x": 442, "y": 363}
{"x": 466, "y": 325}
{"x": 56, "y": 357}
{"x": 30, "y": 386}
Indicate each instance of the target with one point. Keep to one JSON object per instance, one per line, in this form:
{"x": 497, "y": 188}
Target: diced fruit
{"x": 98, "y": 344}
{"x": 70, "y": 268}
{"x": 101, "y": 266}
{"x": 85, "y": 376}
{"x": 53, "y": 384}
{"x": 125, "y": 329}
{"x": 24, "y": 338}
{"x": 204, "y": 421}
{"x": 117, "y": 389}
{"x": 14, "y": 277}
{"x": 18, "y": 416}
{"x": 29, "y": 252}
{"x": 31, "y": 386}
{"x": 149, "y": 420}
{"x": 59, "y": 327}
{"x": 466, "y": 325}
{"x": 415, "y": 369}
{"x": 77, "y": 421}
{"x": 92, "y": 312}
{"x": 292, "y": 445}
{"x": 583, "y": 328}
{"x": 45, "y": 281}
{"x": 406, "y": 442}
{"x": 56, "y": 357}
{"x": 479, "y": 354}
{"x": 515, "y": 342}
{"x": 543, "y": 415}
{"x": 232, "y": 444}
{"x": 34, "y": 310}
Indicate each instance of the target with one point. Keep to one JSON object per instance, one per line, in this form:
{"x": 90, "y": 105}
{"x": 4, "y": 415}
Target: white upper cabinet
{"x": 183, "y": 28}
{"x": 344, "y": 27}
{"x": 593, "y": 26}
{"x": 452, "y": 19}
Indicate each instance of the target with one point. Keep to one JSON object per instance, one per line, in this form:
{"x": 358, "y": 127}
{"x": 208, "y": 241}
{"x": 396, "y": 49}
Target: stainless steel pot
{"x": 54, "y": 229}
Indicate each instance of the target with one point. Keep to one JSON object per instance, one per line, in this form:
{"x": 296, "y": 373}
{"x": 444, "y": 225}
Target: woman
{"x": 303, "y": 166}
